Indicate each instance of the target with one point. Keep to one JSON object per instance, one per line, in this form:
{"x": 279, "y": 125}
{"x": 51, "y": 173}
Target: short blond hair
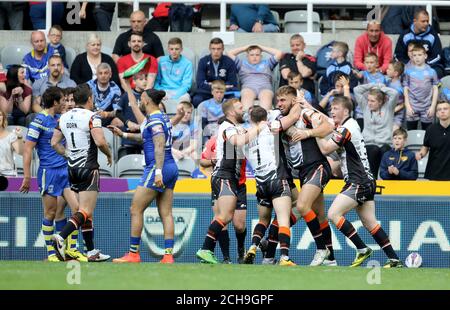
{"x": 218, "y": 85}
{"x": 342, "y": 47}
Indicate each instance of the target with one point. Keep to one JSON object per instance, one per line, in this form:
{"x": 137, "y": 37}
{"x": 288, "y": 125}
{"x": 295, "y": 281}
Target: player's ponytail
{"x": 155, "y": 95}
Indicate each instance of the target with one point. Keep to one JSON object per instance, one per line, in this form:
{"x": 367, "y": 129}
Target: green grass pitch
{"x": 44, "y": 275}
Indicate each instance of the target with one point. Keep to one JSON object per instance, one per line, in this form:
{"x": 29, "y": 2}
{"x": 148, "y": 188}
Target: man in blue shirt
{"x": 36, "y": 61}
{"x": 106, "y": 94}
{"x": 212, "y": 67}
{"x": 175, "y": 73}
{"x": 55, "y": 78}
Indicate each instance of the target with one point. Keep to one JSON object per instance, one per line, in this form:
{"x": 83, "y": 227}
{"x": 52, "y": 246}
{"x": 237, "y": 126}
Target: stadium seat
{"x": 415, "y": 139}
{"x": 105, "y": 170}
{"x": 446, "y": 81}
{"x": 185, "y": 167}
{"x": 130, "y": 166}
{"x": 107, "y": 50}
{"x": 276, "y": 16}
{"x": 421, "y": 166}
{"x": 13, "y": 54}
{"x": 171, "y": 106}
{"x": 70, "y": 56}
{"x": 18, "y": 162}
{"x": 11, "y": 128}
{"x": 109, "y": 136}
{"x": 297, "y": 21}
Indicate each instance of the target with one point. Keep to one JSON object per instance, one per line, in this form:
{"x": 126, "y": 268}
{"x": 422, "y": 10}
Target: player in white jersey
{"x": 82, "y": 130}
{"x": 359, "y": 189}
{"x": 300, "y": 126}
{"x": 266, "y": 156}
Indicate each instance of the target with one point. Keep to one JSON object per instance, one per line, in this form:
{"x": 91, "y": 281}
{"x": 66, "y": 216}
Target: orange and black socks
{"x": 77, "y": 220}
{"x": 350, "y": 232}
{"x": 314, "y": 227}
{"x": 224, "y": 243}
{"x": 258, "y": 233}
{"x": 88, "y": 234}
{"x": 326, "y": 233}
{"x": 383, "y": 241}
{"x": 273, "y": 239}
{"x": 284, "y": 236}
{"x": 214, "y": 230}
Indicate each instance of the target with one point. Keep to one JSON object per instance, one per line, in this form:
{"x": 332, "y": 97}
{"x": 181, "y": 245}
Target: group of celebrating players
{"x": 291, "y": 140}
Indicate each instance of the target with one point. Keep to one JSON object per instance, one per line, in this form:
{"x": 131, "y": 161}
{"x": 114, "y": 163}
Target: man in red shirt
{"x": 375, "y": 41}
{"x": 126, "y": 62}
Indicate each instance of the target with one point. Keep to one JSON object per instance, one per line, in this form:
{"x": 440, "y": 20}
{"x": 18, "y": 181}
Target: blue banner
{"x": 414, "y": 224}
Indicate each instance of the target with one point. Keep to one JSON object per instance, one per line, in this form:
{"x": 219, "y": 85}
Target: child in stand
{"x": 295, "y": 80}
{"x": 394, "y": 72}
{"x": 211, "y": 110}
{"x": 399, "y": 163}
{"x": 54, "y": 46}
{"x": 420, "y": 87}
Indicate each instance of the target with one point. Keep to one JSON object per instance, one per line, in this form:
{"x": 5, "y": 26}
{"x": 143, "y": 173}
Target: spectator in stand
{"x": 295, "y": 80}
{"x": 36, "y": 61}
{"x": 437, "y": 142}
{"x": 174, "y": 73}
{"x": 421, "y": 32}
{"x": 341, "y": 88}
{"x": 397, "y": 19}
{"x": 372, "y": 73}
{"x": 125, "y": 113}
{"x": 215, "y": 66}
{"x": 54, "y": 46}
{"x": 10, "y": 142}
{"x": 377, "y": 104}
{"x": 255, "y": 74}
{"x": 183, "y": 135}
{"x": 16, "y": 101}
{"x": 420, "y": 90}
{"x": 300, "y": 62}
{"x": 103, "y": 14}
{"x": 339, "y": 64}
{"x": 55, "y": 78}
{"x": 181, "y": 17}
{"x": 399, "y": 163}
{"x": 160, "y": 20}
{"x": 38, "y": 11}
{"x": 84, "y": 66}
{"x": 151, "y": 42}
{"x": 211, "y": 110}
{"x": 373, "y": 41}
{"x": 394, "y": 73}
{"x": 137, "y": 55}
{"x": 106, "y": 95}
{"x": 13, "y": 12}
{"x": 252, "y": 18}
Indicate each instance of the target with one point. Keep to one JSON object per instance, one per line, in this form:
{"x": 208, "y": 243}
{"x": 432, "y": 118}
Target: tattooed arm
{"x": 159, "y": 143}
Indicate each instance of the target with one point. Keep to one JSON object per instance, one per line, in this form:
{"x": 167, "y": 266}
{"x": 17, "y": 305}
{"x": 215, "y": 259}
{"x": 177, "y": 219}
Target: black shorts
{"x": 83, "y": 179}
{"x": 360, "y": 192}
{"x": 318, "y": 174}
{"x": 223, "y": 187}
{"x": 267, "y": 191}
